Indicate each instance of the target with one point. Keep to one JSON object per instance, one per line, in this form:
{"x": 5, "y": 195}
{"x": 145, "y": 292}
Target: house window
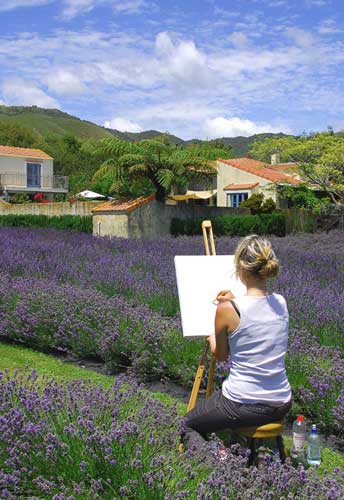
{"x": 234, "y": 199}
{"x": 33, "y": 174}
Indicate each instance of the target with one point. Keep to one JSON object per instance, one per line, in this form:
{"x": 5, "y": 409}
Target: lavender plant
{"x": 116, "y": 300}
{"x": 82, "y": 442}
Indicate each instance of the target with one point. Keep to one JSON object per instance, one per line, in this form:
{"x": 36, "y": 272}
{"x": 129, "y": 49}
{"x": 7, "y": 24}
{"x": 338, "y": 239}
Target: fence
{"x": 49, "y": 209}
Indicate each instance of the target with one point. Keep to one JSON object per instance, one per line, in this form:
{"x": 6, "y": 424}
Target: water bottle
{"x": 313, "y": 448}
{"x": 299, "y": 439}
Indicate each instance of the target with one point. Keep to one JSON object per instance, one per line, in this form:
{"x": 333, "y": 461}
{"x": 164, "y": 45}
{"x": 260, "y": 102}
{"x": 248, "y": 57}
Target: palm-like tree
{"x": 153, "y": 159}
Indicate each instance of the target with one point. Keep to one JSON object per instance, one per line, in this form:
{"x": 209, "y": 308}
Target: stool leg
{"x": 253, "y": 454}
{"x": 281, "y": 448}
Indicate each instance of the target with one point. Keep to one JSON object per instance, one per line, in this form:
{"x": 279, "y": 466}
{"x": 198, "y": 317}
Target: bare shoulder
{"x": 227, "y": 314}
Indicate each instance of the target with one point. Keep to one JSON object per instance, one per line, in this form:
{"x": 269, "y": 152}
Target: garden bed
{"x": 115, "y": 301}
{"x": 72, "y": 434}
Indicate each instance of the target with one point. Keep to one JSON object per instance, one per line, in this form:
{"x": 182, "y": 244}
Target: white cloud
{"x": 72, "y": 8}
{"x": 328, "y": 27}
{"x": 232, "y": 127}
{"x": 123, "y": 125}
{"x": 180, "y": 84}
{"x": 6, "y": 5}
{"x": 75, "y": 7}
{"x": 182, "y": 63}
{"x": 23, "y": 93}
{"x": 317, "y": 3}
{"x": 239, "y": 39}
{"x": 301, "y": 37}
{"x": 64, "y": 82}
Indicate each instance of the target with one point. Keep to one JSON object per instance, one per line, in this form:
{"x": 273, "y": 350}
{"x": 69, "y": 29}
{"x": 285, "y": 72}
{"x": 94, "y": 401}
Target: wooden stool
{"x": 257, "y": 434}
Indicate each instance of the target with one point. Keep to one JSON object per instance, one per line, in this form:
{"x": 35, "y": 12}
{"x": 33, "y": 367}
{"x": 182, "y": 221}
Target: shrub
{"x": 233, "y": 225}
{"x": 257, "y": 205}
{"x": 20, "y": 198}
{"x": 76, "y": 222}
{"x": 254, "y": 203}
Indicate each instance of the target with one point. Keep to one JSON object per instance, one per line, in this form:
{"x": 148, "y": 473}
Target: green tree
{"x": 320, "y": 159}
{"x": 262, "y": 150}
{"x": 163, "y": 165}
{"x": 70, "y": 157}
{"x": 301, "y": 196}
{"x": 13, "y": 134}
{"x": 211, "y": 150}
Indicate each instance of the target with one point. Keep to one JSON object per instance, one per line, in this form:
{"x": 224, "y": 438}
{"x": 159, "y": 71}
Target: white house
{"x": 239, "y": 178}
{"x": 29, "y": 171}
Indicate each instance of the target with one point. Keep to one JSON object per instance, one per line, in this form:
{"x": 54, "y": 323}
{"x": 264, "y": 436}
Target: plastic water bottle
{"x": 299, "y": 439}
{"x": 313, "y": 448}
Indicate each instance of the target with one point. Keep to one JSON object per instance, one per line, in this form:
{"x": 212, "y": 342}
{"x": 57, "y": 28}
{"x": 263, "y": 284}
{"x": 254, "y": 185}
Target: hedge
{"x": 233, "y": 225}
{"x": 76, "y": 222}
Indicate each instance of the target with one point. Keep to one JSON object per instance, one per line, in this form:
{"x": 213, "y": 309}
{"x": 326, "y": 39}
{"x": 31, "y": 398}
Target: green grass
{"x": 24, "y": 360}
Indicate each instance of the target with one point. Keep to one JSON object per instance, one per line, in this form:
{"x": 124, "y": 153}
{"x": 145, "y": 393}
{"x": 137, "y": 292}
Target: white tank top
{"x": 257, "y": 349}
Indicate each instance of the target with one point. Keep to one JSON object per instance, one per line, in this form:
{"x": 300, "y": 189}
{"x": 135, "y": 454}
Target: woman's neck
{"x": 256, "y": 292}
{"x": 257, "y": 289}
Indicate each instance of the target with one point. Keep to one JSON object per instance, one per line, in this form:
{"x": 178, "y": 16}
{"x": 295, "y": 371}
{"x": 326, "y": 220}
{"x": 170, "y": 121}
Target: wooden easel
{"x": 208, "y": 237}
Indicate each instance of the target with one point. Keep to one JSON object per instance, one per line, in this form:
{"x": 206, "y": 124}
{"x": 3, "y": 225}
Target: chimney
{"x": 275, "y": 159}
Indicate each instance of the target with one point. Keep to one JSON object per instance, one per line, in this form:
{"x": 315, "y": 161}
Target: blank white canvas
{"x": 199, "y": 279}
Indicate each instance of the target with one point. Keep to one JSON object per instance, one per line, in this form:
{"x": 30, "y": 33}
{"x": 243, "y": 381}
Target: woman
{"x": 253, "y": 329}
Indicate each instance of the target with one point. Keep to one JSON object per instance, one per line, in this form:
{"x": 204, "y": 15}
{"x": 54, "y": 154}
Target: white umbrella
{"x": 89, "y": 195}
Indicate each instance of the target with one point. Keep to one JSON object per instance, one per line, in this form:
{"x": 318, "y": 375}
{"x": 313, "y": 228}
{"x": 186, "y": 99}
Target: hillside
{"x": 45, "y": 121}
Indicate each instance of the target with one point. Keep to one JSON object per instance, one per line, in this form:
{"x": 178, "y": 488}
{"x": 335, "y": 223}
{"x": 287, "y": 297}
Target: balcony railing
{"x": 20, "y": 181}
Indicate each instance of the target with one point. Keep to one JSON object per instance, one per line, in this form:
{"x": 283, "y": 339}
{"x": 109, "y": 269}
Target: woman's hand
{"x": 224, "y": 296}
{"x": 212, "y": 341}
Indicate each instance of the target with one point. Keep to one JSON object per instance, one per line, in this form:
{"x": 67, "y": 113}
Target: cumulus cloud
{"x": 23, "y": 93}
{"x": 182, "y": 62}
{"x": 232, "y": 127}
{"x": 123, "y": 125}
{"x": 63, "y": 82}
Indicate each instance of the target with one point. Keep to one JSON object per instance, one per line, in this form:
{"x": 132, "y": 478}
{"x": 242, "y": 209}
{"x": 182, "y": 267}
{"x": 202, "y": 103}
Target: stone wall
{"x": 111, "y": 224}
{"x": 49, "y": 209}
{"x": 154, "y": 220}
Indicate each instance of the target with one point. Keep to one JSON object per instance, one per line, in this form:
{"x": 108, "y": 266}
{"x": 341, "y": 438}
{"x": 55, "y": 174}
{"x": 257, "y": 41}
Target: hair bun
{"x": 255, "y": 255}
{"x": 269, "y": 269}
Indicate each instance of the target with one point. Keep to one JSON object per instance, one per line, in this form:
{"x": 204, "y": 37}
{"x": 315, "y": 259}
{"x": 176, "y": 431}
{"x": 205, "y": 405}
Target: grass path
{"x": 22, "y": 359}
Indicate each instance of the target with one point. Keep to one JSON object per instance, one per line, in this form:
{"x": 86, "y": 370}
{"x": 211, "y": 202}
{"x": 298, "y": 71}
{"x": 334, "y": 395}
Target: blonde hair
{"x": 255, "y": 255}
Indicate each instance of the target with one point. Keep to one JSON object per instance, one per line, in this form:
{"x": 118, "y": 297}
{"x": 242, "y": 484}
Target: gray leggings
{"x": 218, "y": 413}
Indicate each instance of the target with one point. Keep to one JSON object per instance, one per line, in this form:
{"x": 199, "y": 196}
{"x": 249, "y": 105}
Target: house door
{"x": 33, "y": 174}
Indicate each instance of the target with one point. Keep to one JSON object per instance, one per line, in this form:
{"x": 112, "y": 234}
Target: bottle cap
{"x": 300, "y": 418}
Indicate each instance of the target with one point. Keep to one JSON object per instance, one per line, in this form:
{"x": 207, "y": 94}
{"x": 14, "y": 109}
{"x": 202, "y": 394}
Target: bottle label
{"x": 313, "y": 452}
{"x": 298, "y": 441}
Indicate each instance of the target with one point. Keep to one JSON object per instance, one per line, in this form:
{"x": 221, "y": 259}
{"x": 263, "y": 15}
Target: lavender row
{"x": 311, "y": 278}
{"x": 57, "y": 317}
{"x": 81, "y": 442}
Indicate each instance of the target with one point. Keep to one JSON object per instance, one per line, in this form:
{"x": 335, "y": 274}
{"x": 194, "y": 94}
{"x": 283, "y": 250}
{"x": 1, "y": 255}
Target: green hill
{"x": 45, "y": 121}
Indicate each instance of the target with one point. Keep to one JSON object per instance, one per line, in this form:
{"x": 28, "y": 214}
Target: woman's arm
{"x": 226, "y": 319}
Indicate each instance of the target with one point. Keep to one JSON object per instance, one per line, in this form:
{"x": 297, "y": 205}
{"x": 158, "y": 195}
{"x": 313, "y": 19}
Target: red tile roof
{"x": 24, "y": 152}
{"x": 260, "y": 169}
{"x": 230, "y": 187}
{"x": 124, "y": 205}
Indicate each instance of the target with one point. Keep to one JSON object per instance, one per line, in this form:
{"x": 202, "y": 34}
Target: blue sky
{"x": 194, "y": 68}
